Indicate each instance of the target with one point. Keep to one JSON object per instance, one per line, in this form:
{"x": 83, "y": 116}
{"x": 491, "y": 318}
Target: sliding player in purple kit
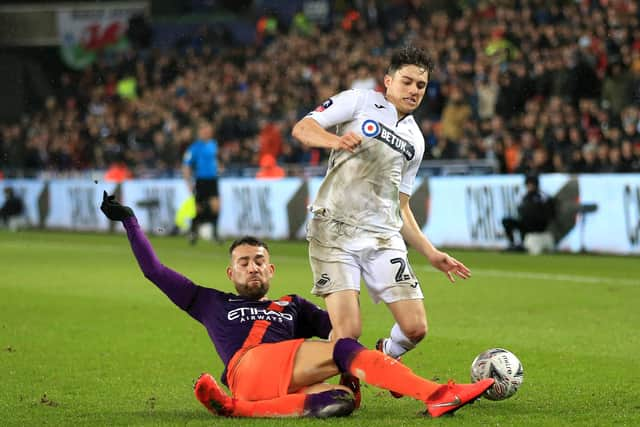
{"x": 271, "y": 366}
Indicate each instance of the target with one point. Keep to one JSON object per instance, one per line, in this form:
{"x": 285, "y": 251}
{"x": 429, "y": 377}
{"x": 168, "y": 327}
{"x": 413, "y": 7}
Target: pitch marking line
{"x": 529, "y": 275}
{"x": 524, "y": 275}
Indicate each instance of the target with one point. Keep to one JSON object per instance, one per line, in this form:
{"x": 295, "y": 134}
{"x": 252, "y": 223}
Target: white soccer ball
{"x": 501, "y": 365}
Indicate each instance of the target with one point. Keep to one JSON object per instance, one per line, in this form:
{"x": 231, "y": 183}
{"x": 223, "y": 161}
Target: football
{"x": 501, "y": 365}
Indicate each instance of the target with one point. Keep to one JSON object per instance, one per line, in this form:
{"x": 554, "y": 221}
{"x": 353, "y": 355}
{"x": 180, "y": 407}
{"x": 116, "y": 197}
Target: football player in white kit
{"x": 361, "y": 214}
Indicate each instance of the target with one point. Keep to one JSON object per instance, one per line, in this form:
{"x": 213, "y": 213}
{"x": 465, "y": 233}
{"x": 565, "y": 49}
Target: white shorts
{"x": 386, "y": 272}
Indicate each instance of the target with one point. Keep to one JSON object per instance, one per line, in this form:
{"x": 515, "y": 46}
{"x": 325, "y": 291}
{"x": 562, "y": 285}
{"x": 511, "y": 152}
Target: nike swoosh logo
{"x": 379, "y": 106}
{"x": 454, "y": 402}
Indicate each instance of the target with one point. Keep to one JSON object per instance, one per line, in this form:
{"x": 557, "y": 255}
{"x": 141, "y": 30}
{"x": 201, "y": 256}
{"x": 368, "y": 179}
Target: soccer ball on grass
{"x": 501, "y": 365}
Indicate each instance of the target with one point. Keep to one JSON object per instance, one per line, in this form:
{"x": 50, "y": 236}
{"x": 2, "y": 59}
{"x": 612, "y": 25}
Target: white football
{"x": 501, "y": 365}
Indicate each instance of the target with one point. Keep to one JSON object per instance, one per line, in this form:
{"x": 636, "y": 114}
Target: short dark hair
{"x": 410, "y": 55}
{"x": 247, "y": 240}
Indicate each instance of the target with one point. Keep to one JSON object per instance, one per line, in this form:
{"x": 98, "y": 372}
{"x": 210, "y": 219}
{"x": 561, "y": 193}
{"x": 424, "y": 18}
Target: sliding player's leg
{"x": 257, "y": 393}
{"x": 315, "y": 361}
{"x": 375, "y": 368}
{"x": 323, "y": 402}
{"x": 261, "y": 380}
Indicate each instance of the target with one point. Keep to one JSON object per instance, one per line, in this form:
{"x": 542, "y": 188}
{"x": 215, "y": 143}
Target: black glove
{"x": 113, "y": 209}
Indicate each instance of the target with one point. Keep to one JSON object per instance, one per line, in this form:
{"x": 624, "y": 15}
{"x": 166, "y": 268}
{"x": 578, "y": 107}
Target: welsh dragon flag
{"x": 86, "y": 31}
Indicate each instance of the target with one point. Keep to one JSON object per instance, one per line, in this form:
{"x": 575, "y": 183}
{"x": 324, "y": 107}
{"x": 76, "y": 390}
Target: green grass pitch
{"x": 86, "y": 340}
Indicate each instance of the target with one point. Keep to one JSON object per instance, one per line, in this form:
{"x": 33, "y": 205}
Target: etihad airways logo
{"x": 246, "y": 314}
{"x": 377, "y": 130}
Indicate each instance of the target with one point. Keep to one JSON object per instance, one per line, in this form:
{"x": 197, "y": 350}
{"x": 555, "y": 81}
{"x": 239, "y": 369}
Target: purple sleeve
{"x": 178, "y": 288}
{"x": 313, "y": 321}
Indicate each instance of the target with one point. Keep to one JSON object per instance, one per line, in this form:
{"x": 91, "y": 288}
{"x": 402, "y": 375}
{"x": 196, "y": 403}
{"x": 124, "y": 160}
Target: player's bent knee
{"x": 416, "y": 333}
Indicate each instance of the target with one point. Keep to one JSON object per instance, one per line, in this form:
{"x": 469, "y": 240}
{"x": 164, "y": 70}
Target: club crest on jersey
{"x": 326, "y": 104}
{"x": 370, "y": 128}
{"x": 373, "y": 129}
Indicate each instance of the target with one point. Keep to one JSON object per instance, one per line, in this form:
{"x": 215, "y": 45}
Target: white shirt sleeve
{"x": 338, "y": 109}
{"x": 410, "y": 169}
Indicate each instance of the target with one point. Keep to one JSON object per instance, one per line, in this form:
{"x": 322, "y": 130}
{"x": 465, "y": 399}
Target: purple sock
{"x": 344, "y": 351}
{"x": 330, "y": 403}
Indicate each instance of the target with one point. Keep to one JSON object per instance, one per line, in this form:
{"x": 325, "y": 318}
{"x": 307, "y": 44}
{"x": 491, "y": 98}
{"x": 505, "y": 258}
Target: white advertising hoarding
{"x": 29, "y": 190}
{"x": 615, "y": 225}
{"x": 155, "y": 202}
{"x": 258, "y": 207}
{"x": 454, "y": 211}
{"x": 74, "y": 204}
{"x": 467, "y": 211}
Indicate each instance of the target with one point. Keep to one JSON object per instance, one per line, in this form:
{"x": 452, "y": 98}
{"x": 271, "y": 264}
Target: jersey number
{"x": 402, "y": 265}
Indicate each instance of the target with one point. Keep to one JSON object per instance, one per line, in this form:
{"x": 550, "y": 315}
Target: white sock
{"x": 397, "y": 344}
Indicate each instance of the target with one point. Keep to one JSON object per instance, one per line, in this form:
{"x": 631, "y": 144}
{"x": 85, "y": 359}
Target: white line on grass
{"x": 525, "y": 275}
{"x": 529, "y": 275}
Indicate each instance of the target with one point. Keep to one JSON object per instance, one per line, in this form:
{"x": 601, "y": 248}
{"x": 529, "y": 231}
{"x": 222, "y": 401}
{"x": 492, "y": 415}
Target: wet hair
{"x": 247, "y": 240}
{"x": 410, "y": 55}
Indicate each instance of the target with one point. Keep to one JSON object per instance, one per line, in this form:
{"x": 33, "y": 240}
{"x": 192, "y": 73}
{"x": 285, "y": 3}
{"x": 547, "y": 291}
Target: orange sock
{"x": 291, "y": 405}
{"x": 380, "y": 370}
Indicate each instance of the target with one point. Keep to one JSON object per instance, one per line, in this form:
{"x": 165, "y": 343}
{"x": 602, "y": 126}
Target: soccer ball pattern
{"x": 501, "y": 365}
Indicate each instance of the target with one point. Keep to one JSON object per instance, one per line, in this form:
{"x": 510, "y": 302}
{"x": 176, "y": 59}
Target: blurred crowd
{"x": 539, "y": 86}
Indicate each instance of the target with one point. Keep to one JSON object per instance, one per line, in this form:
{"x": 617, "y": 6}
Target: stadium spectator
{"x": 487, "y": 92}
{"x": 200, "y": 171}
{"x": 269, "y": 168}
{"x": 118, "y": 172}
{"x": 455, "y": 114}
{"x": 12, "y": 212}
{"x": 535, "y": 213}
{"x": 616, "y": 89}
{"x": 271, "y": 367}
{"x": 377, "y": 151}
{"x": 270, "y": 140}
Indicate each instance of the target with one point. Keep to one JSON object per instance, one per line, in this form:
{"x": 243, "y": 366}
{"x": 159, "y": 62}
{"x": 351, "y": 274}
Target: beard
{"x": 251, "y": 291}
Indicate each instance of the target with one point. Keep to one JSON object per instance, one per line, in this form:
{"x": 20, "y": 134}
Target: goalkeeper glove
{"x": 113, "y": 209}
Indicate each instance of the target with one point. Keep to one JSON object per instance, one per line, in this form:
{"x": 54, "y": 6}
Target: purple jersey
{"x": 228, "y": 317}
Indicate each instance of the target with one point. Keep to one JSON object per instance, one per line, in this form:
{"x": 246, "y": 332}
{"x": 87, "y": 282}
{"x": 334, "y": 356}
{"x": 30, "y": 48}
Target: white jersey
{"x": 361, "y": 189}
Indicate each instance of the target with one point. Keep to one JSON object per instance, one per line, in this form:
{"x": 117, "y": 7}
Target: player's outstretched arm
{"x": 412, "y": 233}
{"x": 178, "y": 288}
